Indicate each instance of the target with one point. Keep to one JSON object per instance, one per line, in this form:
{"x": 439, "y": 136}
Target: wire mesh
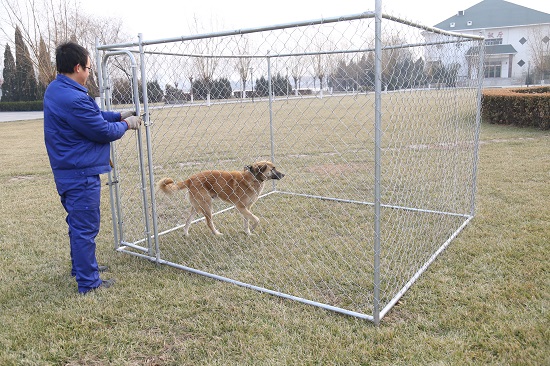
{"x": 302, "y": 96}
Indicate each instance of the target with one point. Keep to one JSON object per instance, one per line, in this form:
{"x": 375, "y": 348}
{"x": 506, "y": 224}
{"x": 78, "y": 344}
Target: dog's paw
{"x": 255, "y": 223}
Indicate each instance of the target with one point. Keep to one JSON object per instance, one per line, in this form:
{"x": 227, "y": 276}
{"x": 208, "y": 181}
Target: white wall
{"x": 509, "y": 35}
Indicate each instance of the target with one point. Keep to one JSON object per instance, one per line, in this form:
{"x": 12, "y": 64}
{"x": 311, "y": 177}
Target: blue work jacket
{"x": 76, "y": 132}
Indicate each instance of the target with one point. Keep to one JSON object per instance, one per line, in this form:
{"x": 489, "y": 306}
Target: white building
{"x": 517, "y": 42}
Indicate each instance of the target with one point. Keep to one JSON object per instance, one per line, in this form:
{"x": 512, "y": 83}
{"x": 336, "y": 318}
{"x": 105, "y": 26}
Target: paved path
{"x": 20, "y": 116}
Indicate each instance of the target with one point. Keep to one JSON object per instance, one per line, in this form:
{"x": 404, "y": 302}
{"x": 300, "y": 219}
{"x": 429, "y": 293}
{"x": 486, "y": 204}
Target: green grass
{"x": 483, "y": 301}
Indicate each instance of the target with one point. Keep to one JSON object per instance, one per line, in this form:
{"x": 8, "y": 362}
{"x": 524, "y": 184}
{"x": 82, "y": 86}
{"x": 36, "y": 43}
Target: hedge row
{"x": 37, "y": 105}
{"x": 525, "y": 107}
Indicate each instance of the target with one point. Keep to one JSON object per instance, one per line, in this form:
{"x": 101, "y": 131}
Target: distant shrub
{"x": 37, "y": 105}
{"x": 526, "y": 107}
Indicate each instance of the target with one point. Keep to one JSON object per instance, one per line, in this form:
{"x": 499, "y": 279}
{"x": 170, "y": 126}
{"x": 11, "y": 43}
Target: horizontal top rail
{"x": 364, "y": 15}
{"x": 275, "y": 55}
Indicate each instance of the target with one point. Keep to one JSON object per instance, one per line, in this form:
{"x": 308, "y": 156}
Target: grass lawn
{"x": 485, "y": 300}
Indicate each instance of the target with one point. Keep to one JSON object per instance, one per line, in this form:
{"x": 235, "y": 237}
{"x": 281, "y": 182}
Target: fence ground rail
{"x": 330, "y": 103}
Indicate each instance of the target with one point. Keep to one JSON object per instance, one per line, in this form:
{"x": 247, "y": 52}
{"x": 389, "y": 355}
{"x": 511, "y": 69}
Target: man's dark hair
{"x": 68, "y": 55}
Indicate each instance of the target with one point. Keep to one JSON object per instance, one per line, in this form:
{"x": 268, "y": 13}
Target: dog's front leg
{"x": 247, "y": 215}
{"x": 256, "y": 221}
{"x": 246, "y": 228}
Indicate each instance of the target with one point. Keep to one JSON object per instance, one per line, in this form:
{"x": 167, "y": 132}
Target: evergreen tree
{"x": 419, "y": 77}
{"x": 173, "y": 94}
{"x": 281, "y": 85}
{"x": 222, "y": 89}
{"x": 154, "y": 92}
{"x": 218, "y": 89}
{"x": 27, "y": 88}
{"x": 200, "y": 89}
{"x": 8, "y": 88}
{"x": 340, "y": 79}
{"x": 46, "y": 69}
{"x": 262, "y": 87}
{"x": 366, "y": 72}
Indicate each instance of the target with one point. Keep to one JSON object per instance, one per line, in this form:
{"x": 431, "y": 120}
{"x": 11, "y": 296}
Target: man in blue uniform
{"x": 77, "y": 136}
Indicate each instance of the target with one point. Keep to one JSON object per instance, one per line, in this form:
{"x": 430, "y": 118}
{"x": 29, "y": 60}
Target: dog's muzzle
{"x": 276, "y": 175}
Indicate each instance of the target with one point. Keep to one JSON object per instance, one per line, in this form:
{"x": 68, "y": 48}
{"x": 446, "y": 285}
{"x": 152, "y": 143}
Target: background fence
{"x": 373, "y": 119}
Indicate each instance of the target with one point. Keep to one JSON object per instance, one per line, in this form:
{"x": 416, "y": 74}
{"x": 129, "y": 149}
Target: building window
{"x": 492, "y": 69}
{"x": 493, "y": 41}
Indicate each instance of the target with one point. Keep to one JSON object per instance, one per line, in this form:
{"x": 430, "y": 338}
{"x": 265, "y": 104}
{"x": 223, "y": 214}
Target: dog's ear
{"x": 256, "y": 168}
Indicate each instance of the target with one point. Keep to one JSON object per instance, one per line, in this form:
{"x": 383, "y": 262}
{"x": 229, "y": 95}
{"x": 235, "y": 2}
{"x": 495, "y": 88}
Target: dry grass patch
{"x": 484, "y": 301}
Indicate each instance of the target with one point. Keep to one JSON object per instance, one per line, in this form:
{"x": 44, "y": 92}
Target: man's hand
{"x": 133, "y": 122}
{"x": 127, "y": 114}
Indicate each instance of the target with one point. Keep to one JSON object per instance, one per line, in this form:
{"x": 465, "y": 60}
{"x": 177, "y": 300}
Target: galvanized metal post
{"x": 135, "y": 95}
{"x": 271, "y": 130}
{"x": 147, "y": 125}
{"x": 114, "y": 192}
{"x": 478, "y": 124}
{"x": 110, "y": 174}
{"x": 377, "y": 154}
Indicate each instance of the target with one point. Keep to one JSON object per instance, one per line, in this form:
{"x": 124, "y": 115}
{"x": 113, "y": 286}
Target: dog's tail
{"x": 169, "y": 186}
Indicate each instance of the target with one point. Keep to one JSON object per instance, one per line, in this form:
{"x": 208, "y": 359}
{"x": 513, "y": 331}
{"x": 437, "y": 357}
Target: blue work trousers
{"x": 81, "y": 197}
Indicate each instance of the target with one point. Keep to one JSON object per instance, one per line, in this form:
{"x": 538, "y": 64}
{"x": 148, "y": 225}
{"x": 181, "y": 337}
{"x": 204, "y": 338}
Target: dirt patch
{"x": 506, "y": 140}
{"x": 21, "y": 177}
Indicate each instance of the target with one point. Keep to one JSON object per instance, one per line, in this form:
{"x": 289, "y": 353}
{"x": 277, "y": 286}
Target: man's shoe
{"x": 104, "y": 284}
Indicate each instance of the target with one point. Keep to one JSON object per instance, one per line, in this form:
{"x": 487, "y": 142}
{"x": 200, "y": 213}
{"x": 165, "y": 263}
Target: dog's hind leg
{"x": 205, "y": 207}
{"x": 190, "y": 216}
{"x": 208, "y": 216}
{"x": 210, "y": 223}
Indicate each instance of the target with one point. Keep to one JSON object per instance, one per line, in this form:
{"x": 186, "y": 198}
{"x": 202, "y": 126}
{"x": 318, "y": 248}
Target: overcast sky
{"x": 159, "y": 19}
{"x": 170, "y": 18}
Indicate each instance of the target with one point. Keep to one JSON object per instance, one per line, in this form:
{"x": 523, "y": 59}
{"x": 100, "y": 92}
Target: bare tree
{"x": 44, "y": 24}
{"x": 207, "y": 62}
{"x": 297, "y": 70}
{"x": 539, "y": 46}
{"x": 243, "y": 63}
{"x": 323, "y": 63}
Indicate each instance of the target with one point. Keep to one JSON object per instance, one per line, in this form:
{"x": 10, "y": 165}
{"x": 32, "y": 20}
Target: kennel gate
{"x": 373, "y": 119}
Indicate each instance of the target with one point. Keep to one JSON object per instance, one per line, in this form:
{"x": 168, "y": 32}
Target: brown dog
{"x": 240, "y": 188}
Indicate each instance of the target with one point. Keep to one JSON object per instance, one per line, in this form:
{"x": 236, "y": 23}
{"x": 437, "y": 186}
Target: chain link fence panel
{"x": 304, "y": 96}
